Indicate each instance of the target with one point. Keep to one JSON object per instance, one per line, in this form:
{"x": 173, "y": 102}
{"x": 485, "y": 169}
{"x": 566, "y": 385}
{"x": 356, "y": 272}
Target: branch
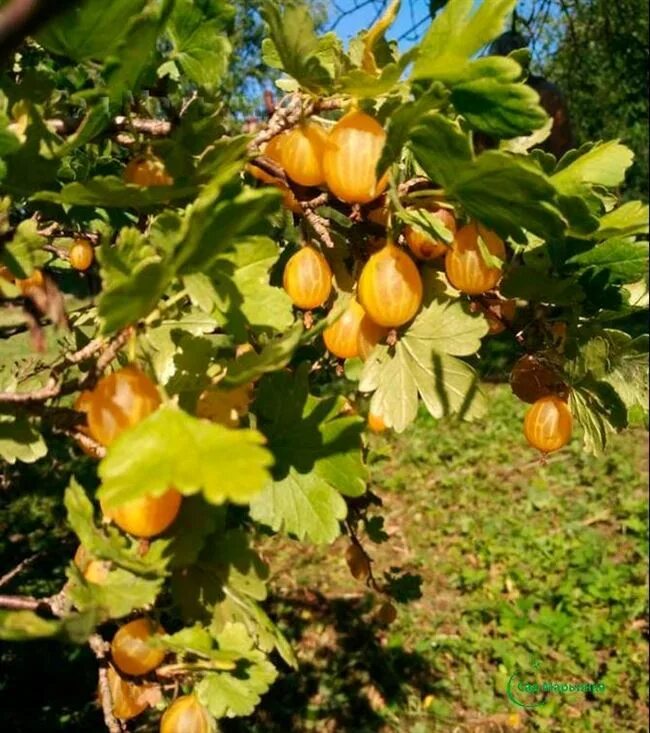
{"x": 318, "y": 223}
{"x": 154, "y": 128}
{"x": 11, "y": 574}
{"x": 101, "y": 649}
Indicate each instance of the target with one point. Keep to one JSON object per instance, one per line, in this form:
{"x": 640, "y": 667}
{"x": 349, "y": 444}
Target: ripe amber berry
{"x": 302, "y": 154}
{"x": 119, "y": 401}
{"x": 81, "y": 254}
{"x": 548, "y": 424}
{"x": 531, "y": 379}
{"x": 131, "y": 648}
{"x": 94, "y": 571}
{"x": 273, "y": 150}
{"x": 342, "y": 337}
{"x": 225, "y": 406}
{"x": 147, "y": 516}
{"x": 31, "y": 283}
{"x": 370, "y": 334}
{"x": 425, "y": 247}
{"x": 376, "y": 423}
{"x": 307, "y": 278}
{"x": 5, "y": 274}
{"x": 357, "y": 561}
{"x": 147, "y": 170}
{"x": 466, "y": 269}
{"x": 350, "y": 159}
{"x": 126, "y": 696}
{"x": 186, "y": 715}
{"x": 390, "y": 287}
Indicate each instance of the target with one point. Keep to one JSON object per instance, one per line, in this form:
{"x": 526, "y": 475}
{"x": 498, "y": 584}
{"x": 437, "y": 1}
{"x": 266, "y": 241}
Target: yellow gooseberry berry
{"x": 342, "y": 337}
{"x": 352, "y": 151}
{"x": 126, "y": 696}
{"x": 370, "y": 334}
{"x": 466, "y": 268}
{"x": 33, "y": 282}
{"x": 548, "y": 424}
{"x": 273, "y": 150}
{"x": 147, "y": 170}
{"x": 225, "y": 406}
{"x": 5, "y": 274}
{"x": 186, "y": 715}
{"x": 302, "y": 154}
{"x": 119, "y": 401}
{"x": 81, "y": 254}
{"x": 425, "y": 247}
{"x": 94, "y": 571}
{"x": 390, "y": 287}
{"x": 376, "y": 423}
{"x": 146, "y": 516}
{"x": 307, "y": 278}
{"x": 131, "y": 648}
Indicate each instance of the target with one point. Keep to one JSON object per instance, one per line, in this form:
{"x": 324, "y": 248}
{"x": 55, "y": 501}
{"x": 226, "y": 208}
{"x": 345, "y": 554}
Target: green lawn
{"x": 518, "y": 560}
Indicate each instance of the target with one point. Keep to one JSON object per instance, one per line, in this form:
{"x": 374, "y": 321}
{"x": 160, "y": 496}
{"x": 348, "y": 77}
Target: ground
{"x": 519, "y": 560}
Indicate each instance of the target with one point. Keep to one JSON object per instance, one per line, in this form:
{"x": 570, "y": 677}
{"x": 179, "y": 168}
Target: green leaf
{"x": 502, "y": 109}
{"x": 440, "y": 148}
{"x": 598, "y": 410}
{"x": 241, "y": 609}
{"x": 107, "y": 543}
{"x": 136, "y": 52}
{"x": 172, "y": 448}
{"x": 92, "y": 29}
{"x": 273, "y": 357}
{"x": 262, "y": 305}
{"x": 19, "y": 441}
{"x": 504, "y": 192}
{"x": 24, "y": 252}
{"x": 427, "y": 223}
{"x": 510, "y": 195}
{"x": 422, "y": 363}
{"x": 238, "y": 693}
{"x": 112, "y": 192}
{"x": 134, "y": 298}
{"x": 195, "y": 522}
{"x": 404, "y": 119}
{"x": 457, "y": 33}
{"x": 119, "y": 593}
{"x": 296, "y": 46}
{"x": 631, "y": 218}
{"x": 200, "y": 45}
{"x": 212, "y": 230}
{"x": 626, "y": 261}
{"x": 303, "y": 505}
{"x": 602, "y": 164}
{"x": 26, "y": 625}
{"x": 537, "y": 285}
{"x": 310, "y": 434}
{"x": 613, "y": 357}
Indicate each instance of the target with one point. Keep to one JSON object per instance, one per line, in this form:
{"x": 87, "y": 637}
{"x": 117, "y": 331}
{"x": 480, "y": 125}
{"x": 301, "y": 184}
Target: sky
{"x": 410, "y": 13}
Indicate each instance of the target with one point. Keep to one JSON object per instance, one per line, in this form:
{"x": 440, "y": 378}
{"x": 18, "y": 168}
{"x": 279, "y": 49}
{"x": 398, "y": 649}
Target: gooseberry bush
{"x": 220, "y": 319}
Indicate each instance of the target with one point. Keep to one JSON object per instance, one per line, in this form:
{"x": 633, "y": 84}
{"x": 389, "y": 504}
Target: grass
{"x": 519, "y": 560}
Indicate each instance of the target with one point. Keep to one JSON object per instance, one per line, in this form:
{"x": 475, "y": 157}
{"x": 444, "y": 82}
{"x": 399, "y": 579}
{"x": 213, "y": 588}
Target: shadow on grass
{"x": 348, "y": 678}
